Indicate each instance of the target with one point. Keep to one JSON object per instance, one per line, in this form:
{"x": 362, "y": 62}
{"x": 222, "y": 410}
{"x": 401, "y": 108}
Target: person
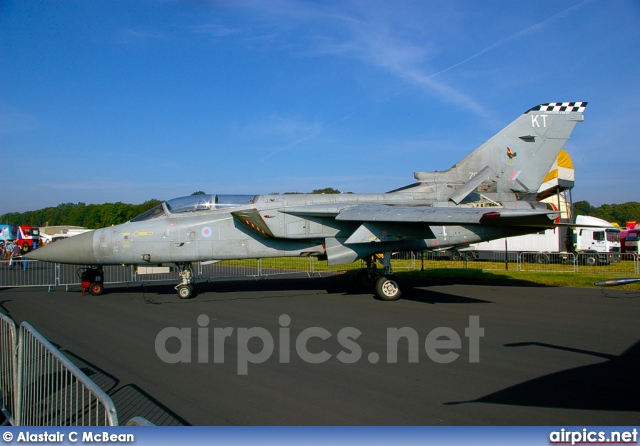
{"x": 25, "y": 249}
{"x": 8, "y": 247}
{"x": 15, "y": 256}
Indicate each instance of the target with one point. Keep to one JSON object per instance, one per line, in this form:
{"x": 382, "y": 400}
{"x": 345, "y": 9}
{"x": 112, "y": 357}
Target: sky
{"x": 107, "y": 101}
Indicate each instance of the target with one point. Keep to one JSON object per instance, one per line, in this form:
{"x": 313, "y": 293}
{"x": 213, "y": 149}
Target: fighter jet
{"x": 489, "y": 194}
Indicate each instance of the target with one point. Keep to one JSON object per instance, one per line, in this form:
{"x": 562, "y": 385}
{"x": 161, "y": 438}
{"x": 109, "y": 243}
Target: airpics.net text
{"x": 256, "y": 345}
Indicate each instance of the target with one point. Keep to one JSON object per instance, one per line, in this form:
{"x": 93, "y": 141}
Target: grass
{"x": 489, "y": 272}
{"x": 582, "y": 280}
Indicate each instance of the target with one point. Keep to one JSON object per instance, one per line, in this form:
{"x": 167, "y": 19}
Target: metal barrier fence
{"x": 22, "y": 273}
{"x": 52, "y": 391}
{"x": 489, "y": 260}
{"x": 8, "y": 368}
{"x": 69, "y": 274}
{"x": 584, "y": 263}
{"x": 39, "y": 386}
{"x": 35, "y": 273}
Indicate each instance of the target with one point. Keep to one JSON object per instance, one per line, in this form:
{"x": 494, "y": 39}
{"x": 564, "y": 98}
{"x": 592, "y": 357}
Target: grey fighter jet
{"x": 489, "y": 194}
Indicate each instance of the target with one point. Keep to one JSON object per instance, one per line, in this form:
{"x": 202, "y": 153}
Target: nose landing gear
{"x": 185, "y": 288}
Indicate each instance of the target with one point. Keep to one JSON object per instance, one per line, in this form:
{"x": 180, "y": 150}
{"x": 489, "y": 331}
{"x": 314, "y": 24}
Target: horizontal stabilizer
{"x": 514, "y": 217}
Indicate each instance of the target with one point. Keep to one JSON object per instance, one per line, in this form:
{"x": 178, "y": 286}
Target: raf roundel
{"x": 206, "y": 232}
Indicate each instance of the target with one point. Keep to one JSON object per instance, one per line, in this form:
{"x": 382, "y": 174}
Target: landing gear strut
{"x": 386, "y": 285}
{"x": 185, "y": 288}
{"x": 368, "y": 276}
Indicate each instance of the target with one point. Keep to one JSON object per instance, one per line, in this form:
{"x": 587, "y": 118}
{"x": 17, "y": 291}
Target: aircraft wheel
{"x": 365, "y": 280}
{"x": 387, "y": 288}
{"x": 185, "y": 291}
{"x": 96, "y": 288}
{"x": 455, "y": 256}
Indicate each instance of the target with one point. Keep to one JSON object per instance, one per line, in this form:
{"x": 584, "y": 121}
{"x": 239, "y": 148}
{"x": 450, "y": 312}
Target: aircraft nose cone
{"x": 76, "y": 250}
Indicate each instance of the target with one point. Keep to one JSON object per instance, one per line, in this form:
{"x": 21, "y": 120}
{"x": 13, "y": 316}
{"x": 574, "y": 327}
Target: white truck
{"x": 49, "y": 234}
{"x": 604, "y": 241}
{"x": 595, "y": 240}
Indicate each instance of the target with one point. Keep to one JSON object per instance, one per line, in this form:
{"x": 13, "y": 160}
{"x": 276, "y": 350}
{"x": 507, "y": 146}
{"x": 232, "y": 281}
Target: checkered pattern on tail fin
{"x": 560, "y": 107}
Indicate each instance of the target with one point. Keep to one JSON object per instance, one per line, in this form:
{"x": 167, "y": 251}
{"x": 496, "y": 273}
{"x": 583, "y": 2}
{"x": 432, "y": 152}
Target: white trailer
{"x": 537, "y": 246}
{"x": 598, "y": 239}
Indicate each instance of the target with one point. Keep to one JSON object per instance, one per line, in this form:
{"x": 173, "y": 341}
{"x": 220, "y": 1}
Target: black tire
{"x": 591, "y": 259}
{"x": 185, "y": 291}
{"x": 387, "y": 288}
{"x": 96, "y": 288}
{"x": 542, "y": 259}
{"x": 455, "y": 255}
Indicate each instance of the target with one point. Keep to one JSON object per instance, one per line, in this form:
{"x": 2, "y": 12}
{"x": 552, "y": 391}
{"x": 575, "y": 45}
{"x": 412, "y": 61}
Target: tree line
{"x": 94, "y": 216}
{"x": 614, "y": 213}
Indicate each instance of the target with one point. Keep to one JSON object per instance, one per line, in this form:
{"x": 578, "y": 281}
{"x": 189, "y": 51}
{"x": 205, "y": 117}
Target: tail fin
{"x": 517, "y": 158}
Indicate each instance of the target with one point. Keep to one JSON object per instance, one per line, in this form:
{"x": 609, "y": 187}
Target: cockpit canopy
{"x": 194, "y": 203}
{"x": 206, "y": 202}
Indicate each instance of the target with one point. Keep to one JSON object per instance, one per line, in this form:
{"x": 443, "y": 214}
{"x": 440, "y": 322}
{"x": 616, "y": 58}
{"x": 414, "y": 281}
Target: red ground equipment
{"x": 92, "y": 278}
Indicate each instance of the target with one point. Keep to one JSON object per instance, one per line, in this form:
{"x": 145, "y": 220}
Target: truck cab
{"x": 28, "y": 236}
{"x": 598, "y": 240}
{"x": 629, "y": 240}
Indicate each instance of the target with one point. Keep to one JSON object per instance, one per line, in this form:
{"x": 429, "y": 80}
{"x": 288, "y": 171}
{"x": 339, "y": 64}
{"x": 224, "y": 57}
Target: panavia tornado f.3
{"x": 489, "y": 194}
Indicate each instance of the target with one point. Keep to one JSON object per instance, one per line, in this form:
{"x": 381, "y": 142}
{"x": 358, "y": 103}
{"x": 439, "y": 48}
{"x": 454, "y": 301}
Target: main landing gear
{"x": 386, "y": 284}
{"x": 185, "y": 288}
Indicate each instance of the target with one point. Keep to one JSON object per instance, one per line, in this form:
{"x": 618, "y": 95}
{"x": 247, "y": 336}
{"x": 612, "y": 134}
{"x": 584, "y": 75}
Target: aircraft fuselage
{"x": 274, "y": 227}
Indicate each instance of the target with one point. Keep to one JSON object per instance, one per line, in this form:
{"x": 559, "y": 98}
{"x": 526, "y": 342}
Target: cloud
{"x": 531, "y": 29}
{"x": 372, "y": 34}
{"x": 402, "y": 41}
